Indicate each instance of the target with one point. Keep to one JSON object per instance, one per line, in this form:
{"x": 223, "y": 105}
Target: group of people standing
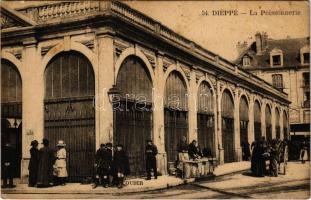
{"x": 112, "y": 164}
{"x": 47, "y": 167}
{"x": 262, "y": 151}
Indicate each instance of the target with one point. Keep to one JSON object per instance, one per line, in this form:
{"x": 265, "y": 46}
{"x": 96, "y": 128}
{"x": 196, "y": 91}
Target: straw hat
{"x": 61, "y": 143}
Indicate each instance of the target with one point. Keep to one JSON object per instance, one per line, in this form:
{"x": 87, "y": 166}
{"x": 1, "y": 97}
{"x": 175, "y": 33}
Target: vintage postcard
{"x": 155, "y": 99}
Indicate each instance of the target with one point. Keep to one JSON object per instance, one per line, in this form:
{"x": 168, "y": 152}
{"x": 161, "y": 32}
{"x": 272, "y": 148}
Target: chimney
{"x": 264, "y": 41}
{"x": 241, "y": 46}
{"x": 258, "y": 37}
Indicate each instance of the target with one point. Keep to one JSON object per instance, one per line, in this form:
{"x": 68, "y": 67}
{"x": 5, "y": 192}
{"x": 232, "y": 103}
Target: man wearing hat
{"x": 45, "y": 168}
{"x": 121, "y": 165}
{"x": 60, "y": 163}
{"x": 8, "y": 164}
{"x": 151, "y": 161}
{"x": 33, "y": 163}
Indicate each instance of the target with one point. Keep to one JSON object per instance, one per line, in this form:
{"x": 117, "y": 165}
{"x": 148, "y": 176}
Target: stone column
{"x": 263, "y": 118}
{"x": 281, "y": 124}
{"x": 251, "y": 129}
{"x": 192, "y": 100}
{"x": 158, "y": 115}
{"x": 32, "y": 105}
{"x": 104, "y": 113}
{"x": 237, "y": 145}
{"x": 273, "y": 120}
{"x": 216, "y": 135}
{"x": 219, "y": 120}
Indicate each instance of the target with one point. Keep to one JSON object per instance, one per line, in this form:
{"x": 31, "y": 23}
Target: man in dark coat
{"x": 8, "y": 164}
{"x": 45, "y": 168}
{"x": 33, "y": 164}
{"x": 106, "y": 164}
{"x": 194, "y": 150}
{"x": 151, "y": 161}
{"x": 182, "y": 146}
{"x": 120, "y": 165}
{"x": 98, "y": 159}
{"x": 245, "y": 150}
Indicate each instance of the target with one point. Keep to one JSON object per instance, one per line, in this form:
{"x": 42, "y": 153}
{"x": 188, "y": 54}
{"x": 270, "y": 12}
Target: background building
{"x": 284, "y": 63}
{"x": 63, "y": 61}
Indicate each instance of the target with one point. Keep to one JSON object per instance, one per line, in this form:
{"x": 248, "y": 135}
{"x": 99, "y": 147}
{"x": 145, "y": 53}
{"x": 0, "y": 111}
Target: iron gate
{"x": 176, "y": 126}
{"x": 228, "y": 139}
{"x": 243, "y": 131}
{"x": 73, "y": 120}
{"x": 133, "y": 126}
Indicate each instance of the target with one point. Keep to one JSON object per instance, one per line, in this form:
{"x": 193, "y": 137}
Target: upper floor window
{"x": 306, "y": 58}
{"x": 246, "y": 61}
{"x": 277, "y": 81}
{"x": 276, "y": 58}
{"x": 306, "y": 79}
{"x": 305, "y": 55}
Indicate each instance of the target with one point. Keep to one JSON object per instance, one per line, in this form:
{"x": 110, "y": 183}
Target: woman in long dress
{"x": 60, "y": 163}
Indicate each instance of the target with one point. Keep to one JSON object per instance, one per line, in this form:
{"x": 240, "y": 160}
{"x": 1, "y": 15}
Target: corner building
{"x": 60, "y": 60}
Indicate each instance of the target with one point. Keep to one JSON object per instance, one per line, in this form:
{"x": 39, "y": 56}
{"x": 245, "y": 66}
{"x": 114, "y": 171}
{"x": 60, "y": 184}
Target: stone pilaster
{"x": 219, "y": 120}
{"x": 251, "y": 129}
{"x": 158, "y": 115}
{"x": 263, "y": 119}
{"x": 104, "y": 112}
{"x": 32, "y": 105}
{"x": 192, "y": 101}
{"x": 273, "y": 123}
{"x": 237, "y": 145}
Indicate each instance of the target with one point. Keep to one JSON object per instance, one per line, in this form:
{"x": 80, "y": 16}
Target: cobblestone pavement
{"x": 294, "y": 185}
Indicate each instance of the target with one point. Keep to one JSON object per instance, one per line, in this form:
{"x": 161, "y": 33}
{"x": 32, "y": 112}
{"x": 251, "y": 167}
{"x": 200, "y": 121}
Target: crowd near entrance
{"x": 69, "y": 112}
{"x": 133, "y": 114}
{"x": 11, "y": 110}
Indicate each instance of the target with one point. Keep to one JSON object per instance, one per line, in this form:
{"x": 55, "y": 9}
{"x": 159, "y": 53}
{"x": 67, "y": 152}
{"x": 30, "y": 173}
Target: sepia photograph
{"x": 118, "y": 99}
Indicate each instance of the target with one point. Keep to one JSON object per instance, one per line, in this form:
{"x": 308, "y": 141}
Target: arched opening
{"x": 69, "y": 110}
{"x": 205, "y": 117}
{"x": 257, "y": 120}
{"x": 11, "y": 110}
{"x": 133, "y": 114}
{"x": 268, "y": 123}
{"x": 175, "y": 114}
{"x": 277, "y": 124}
{"x": 227, "y": 114}
{"x": 243, "y": 111}
{"x": 285, "y": 125}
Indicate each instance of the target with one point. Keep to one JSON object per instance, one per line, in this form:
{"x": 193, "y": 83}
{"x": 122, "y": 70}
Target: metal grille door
{"x": 74, "y": 122}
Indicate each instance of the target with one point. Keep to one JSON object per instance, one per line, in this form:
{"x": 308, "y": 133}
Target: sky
{"x": 220, "y": 33}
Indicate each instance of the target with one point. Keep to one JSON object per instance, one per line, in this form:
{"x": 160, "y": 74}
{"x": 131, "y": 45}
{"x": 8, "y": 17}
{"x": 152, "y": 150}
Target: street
{"x": 295, "y": 184}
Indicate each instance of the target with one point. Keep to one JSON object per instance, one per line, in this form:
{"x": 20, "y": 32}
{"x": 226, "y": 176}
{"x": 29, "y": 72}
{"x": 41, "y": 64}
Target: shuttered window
{"x": 277, "y": 81}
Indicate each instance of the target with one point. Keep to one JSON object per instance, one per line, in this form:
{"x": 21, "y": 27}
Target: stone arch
{"x": 11, "y": 58}
{"x": 208, "y": 81}
{"x": 138, "y": 53}
{"x": 177, "y": 68}
{"x": 74, "y": 46}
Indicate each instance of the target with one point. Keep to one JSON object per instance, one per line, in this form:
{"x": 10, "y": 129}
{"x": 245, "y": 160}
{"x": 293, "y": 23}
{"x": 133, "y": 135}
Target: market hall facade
{"x": 97, "y": 72}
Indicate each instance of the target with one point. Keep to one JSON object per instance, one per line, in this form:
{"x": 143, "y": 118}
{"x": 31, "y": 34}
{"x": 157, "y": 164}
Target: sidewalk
{"x": 133, "y": 185}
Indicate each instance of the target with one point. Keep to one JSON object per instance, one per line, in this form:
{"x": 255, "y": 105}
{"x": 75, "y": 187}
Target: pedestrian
{"x": 245, "y": 150}
{"x": 258, "y": 158}
{"x": 274, "y": 156}
{"x": 45, "y": 168}
{"x": 120, "y": 165}
{"x": 8, "y": 164}
{"x": 194, "y": 150}
{"x": 303, "y": 152}
{"x": 106, "y": 165}
{"x": 151, "y": 161}
{"x": 97, "y": 165}
{"x": 254, "y": 155}
{"x": 33, "y": 163}
{"x": 182, "y": 149}
{"x": 60, "y": 163}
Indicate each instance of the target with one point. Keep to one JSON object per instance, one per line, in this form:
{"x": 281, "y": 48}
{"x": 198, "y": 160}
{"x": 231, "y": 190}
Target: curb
{"x": 114, "y": 191}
